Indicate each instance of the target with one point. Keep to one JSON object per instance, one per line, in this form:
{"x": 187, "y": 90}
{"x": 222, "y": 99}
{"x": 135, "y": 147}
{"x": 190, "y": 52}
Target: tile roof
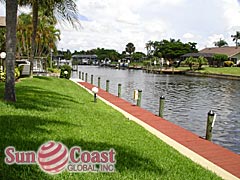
{"x": 2, "y": 21}
{"x": 228, "y": 50}
{"x": 195, "y": 55}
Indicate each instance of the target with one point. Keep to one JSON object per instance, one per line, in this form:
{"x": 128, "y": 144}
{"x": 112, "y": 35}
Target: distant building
{"x": 84, "y": 59}
{"x": 232, "y": 52}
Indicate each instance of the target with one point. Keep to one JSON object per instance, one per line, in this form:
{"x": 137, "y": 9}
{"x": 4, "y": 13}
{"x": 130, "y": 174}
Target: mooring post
{"x": 86, "y": 77}
{"x": 139, "y": 97}
{"x": 107, "y": 85}
{"x": 99, "y": 82}
{"x": 79, "y": 74}
{"x": 91, "y": 79}
{"x": 161, "y": 106}
{"x": 82, "y": 75}
{"x": 210, "y": 123}
{"x": 119, "y": 90}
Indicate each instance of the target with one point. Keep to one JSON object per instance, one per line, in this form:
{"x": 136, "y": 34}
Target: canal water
{"x": 187, "y": 99}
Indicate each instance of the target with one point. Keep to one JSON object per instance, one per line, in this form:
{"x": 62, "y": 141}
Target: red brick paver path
{"x": 218, "y": 155}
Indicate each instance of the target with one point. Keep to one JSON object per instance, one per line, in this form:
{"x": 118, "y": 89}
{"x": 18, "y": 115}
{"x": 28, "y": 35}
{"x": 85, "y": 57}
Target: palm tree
{"x": 130, "y": 48}
{"x": 46, "y": 37}
{"x": 190, "y": 62}
{"x": 24, "y": 30}
{"x": 149, "y": 46}
{"x": 11, "y": 24}
{"x": 66, "y": 10}
{"x": 201, "y": 61}
{"x": 220, "y": 43}
{"x": 236, "y": 37}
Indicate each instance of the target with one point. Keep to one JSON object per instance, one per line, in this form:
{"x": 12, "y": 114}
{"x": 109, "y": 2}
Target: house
{"x": 84, "y": 59}
{"x": 232, "y": 52}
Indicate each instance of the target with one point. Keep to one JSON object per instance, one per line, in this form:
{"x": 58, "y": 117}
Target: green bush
{"x": 3, "y": 74}
{"x": 146, "y": 63}
{"x": 228, "y": 63}
{"x": 65, "y": 71}
{"x": 17, "y": 73}
{"x": 20, "y": 68}
{"x": 201, "y": 61}
{"x": 53, "y": 70}
{"x": 220, "y": 58}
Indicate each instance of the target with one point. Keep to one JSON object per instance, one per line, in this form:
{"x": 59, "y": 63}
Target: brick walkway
{"x": 214, "y": 153}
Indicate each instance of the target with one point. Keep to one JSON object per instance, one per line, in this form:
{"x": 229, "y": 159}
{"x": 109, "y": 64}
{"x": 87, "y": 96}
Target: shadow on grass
{"x": 127, "y": 159}
{"x": 35, "y": 98}
{"x": 26, "y": 133}
{"x": 43, "y": 78}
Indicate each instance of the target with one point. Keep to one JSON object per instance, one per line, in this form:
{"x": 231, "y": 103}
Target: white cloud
{"x": 213, "y": 38}
{"x": 231, "y": 12}
{"x": 188, "y": 36}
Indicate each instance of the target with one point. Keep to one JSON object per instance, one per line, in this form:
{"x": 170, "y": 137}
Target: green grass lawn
{"x": 136, "y": 64}
{"x": 59, "y": 110}
{"x": 223, "y": 70}
{"x": 214, "y": 70}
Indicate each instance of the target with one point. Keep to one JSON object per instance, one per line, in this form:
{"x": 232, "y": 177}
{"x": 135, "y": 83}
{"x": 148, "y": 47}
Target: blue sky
{"x": 114, "y": 23}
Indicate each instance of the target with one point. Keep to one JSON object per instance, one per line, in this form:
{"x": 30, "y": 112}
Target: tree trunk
{"x": 11, "y": 23}
{"x": 34, "y": 33}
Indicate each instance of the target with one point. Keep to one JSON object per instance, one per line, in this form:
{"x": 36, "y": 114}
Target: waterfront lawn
{"x": 136, "y": 64}
{"x": 221, "y": 70}
{"x": 59, "y": 110}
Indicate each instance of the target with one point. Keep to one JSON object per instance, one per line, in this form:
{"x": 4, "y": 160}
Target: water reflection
{"x": 188, "y": 99}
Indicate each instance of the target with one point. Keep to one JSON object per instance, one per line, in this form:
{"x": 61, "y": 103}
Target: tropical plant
{"x": 137, "y": 56}
{"x": 220, "y": 43}
{"x": 220, "y": 58}
{"x": 172, "y": 49}
{"x": 47, "y": 36}
{"x": 201, "y": 61}
{"x": 130, "y": 48}
{"x": 16, "y": 74}
{"x": 24, "y": 31}
{"x": 11, "y": 21}
{"x": 190, "y": 61}
{"x": 65, "y": 71}
{"x": 236, "y": 37}
{"x": 149, "y": 46}
{"x": 66, "y": 10}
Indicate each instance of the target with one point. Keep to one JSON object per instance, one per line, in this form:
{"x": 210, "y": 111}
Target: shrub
{"x": 53, "y": 70}
{"x": 65, "y": 71}
{"x": 146, "y": 63}
{"x": 228, "y": 63}
{"x": 220, "y": 58}
{"x": 3, "y": 74}
{"x": 190, "y": 61}
{"x": 20, "y": 68}
{"x": 201, "y": 61}
{"x": 17, "y": 73}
